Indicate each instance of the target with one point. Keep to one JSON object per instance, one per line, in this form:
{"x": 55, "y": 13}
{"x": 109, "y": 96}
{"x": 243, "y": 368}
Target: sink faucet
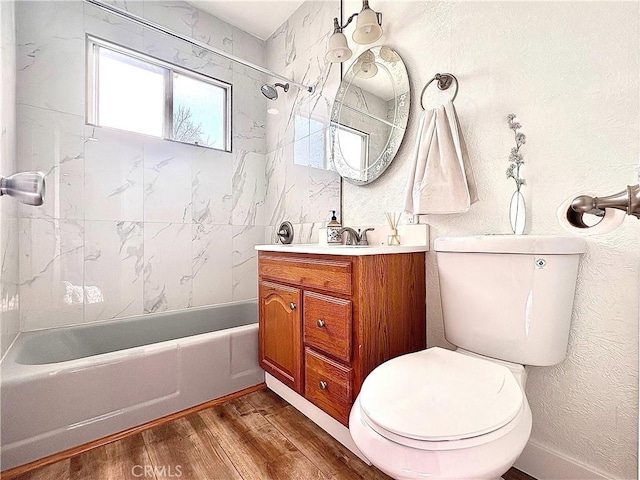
{"x": 357, "y": 237}
{"x": 351, "y": 235}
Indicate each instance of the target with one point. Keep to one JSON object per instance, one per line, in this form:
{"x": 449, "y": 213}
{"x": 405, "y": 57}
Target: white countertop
{"x": 342, "y": 249}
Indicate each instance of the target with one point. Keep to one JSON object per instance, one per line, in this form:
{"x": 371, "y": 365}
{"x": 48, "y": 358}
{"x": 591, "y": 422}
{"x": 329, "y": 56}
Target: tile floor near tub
{"x": 255, "y": 437}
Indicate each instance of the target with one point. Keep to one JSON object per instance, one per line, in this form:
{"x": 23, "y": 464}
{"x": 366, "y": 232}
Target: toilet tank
{"x": 509, "y": 297}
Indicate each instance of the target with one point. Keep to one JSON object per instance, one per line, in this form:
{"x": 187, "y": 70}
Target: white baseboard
{"x": 320, "y": 418}
{"x": 543, "y": 464}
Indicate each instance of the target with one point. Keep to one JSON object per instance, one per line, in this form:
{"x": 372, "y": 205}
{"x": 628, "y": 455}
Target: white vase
{"x": 517, "y": 213}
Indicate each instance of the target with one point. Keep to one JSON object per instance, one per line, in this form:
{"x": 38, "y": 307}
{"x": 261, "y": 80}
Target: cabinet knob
{"x": 320, "y": 323}
{"x": 323, "y": 385}
{"x": 292, "y": 306}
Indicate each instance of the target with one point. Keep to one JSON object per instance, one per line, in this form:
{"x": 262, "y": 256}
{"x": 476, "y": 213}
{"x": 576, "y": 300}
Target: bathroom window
{"x": 354, "y": 148}
{"x": 131, "y": 91}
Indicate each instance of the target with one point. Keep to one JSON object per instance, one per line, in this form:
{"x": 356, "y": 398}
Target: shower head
{"x": 27, "y": 187}
{"x": 270, "y": 91}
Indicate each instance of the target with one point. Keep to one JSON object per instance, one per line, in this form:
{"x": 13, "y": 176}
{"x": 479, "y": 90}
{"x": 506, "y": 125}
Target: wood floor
{"x": 255, "y": 437}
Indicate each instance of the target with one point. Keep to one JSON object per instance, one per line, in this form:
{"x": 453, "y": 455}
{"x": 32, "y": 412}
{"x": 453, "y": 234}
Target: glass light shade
{"x": 365, "y": 66}
{"x": 389, "y": 54}
{"x": 338, "y": 50}
{"x": 367, "y": 28}
{"x": 367, "y": 57}
{"x": 366, "y": 70}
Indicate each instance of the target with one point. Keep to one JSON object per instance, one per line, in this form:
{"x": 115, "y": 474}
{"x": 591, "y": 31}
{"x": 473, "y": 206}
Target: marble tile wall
{"x": 300, "y": 187}
{"x": 9, "y": 292}
{"x": 133, "y": 224}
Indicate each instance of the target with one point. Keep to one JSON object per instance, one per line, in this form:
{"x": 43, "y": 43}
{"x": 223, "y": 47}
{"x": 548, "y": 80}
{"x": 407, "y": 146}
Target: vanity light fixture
{"x": 368, "y": 30}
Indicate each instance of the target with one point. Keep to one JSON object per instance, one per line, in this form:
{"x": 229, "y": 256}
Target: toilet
{"x": 463, "y": 414}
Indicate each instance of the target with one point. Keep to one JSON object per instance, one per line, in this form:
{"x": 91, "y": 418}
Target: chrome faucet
{"x": 352, "y": 235}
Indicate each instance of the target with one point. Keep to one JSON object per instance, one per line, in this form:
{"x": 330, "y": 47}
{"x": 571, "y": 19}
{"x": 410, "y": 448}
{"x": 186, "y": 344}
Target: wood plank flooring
{"x": 255, "y": 437}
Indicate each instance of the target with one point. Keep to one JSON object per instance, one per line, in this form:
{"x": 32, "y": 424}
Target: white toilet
{"x": 440, "y": 414}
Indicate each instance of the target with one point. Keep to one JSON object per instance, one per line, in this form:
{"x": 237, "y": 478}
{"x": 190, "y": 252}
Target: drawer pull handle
{"x": 323, "y": 385}
{"x": 292, "y": 306}
{"x": 320, "y": 323}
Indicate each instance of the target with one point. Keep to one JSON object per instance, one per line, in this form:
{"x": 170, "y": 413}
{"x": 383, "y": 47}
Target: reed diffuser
{"x": 393, "y": 219}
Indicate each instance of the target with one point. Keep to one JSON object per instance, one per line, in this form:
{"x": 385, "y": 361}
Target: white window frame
{"x": 92, "y": 88}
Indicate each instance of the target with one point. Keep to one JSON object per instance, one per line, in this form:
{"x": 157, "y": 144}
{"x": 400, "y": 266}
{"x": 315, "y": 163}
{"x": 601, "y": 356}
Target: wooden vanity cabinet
{"x": 326, "y": 321}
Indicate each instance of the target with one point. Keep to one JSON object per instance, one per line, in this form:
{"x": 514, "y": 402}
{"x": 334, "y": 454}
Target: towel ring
{"x": 444, "y": 82}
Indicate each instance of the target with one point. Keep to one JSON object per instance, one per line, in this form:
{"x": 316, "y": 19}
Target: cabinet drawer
{"x": 327, "y": 324}
{"x": 332, "y": 275}
{"x": 328, "y": 385}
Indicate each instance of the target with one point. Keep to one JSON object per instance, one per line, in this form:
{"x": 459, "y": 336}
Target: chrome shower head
{"x": 27, "y": 187}
{"x": 270, "y": 91}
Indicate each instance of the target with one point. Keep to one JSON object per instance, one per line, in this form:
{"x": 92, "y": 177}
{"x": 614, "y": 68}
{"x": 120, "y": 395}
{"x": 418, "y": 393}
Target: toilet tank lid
{"x": 524, "y": 244}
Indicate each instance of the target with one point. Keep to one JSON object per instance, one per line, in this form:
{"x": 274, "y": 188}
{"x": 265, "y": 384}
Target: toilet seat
{"x": 445, "y": 445}
{"x": 437, "y": 395}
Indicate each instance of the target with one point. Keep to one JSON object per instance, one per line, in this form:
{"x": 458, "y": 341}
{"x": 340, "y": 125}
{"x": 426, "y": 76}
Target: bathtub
{"x": 67, "y": 386}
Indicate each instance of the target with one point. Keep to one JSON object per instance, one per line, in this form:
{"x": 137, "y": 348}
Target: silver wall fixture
{"x": 444, "y": 82}
{"x": 285, "y": 233}
{"x": 159, "y": 28}
{"x": 627, "y": 200}
{"x": 27, "y": 187}
{"x": 271, "y": 92}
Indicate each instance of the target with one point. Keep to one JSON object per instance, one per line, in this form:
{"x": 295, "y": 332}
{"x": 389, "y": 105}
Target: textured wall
{"x": 133, "y": 224}
{"x": 571, "y": 73}
{"x": 9, "y": 300}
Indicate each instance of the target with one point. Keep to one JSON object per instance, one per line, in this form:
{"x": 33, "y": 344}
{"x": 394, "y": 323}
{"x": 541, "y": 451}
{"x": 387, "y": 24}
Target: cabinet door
{"x": 281, "y": 333}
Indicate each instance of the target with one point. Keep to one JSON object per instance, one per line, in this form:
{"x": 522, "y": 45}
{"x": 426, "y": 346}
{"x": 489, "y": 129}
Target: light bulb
{"x": 367, "y": 29}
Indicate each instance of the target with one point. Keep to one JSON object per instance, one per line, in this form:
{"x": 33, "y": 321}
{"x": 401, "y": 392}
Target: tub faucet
{"x": 357, "y": 237}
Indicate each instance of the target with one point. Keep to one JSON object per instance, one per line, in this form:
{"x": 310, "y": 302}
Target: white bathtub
{"x": 67, "y": 386}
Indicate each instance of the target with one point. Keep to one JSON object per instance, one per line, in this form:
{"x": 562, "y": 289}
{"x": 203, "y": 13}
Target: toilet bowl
{"x": 440, "y": 414}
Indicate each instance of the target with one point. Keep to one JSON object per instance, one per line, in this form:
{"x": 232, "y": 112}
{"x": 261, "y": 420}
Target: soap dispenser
{"x": 333, "y": 230}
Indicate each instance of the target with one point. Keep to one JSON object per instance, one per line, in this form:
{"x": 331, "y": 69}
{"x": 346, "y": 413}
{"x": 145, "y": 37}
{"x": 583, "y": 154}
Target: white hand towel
{"x": 441, "y": 180}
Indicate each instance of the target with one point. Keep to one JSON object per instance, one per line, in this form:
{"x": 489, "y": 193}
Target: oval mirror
{"x": 369, "y": 115}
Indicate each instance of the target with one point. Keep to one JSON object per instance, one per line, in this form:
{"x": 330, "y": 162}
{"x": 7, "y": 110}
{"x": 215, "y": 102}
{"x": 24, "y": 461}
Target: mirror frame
{"x": 389, "y": 61}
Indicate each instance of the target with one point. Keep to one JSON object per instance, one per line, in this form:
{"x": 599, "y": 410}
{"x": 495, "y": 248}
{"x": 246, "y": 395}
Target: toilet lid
{"x": 438, "y": 395}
